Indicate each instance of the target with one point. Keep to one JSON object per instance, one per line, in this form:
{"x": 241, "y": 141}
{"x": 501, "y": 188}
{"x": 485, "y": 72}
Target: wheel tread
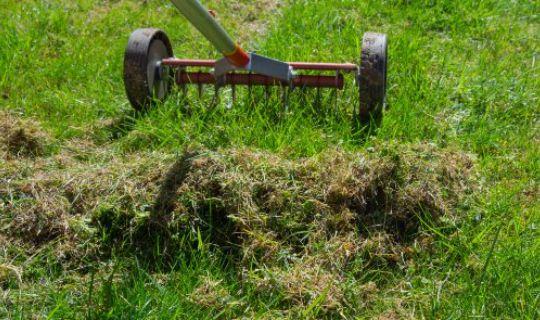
{"x": 135, "y": 65}
{"x": 372, "y": 77}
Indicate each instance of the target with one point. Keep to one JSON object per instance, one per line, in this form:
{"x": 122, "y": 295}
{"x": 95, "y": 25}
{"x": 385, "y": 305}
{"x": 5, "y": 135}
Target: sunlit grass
{"x": 461, "y": 74}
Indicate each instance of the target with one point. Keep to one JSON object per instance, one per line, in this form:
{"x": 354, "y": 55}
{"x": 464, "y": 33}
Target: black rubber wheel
{"x": 372, "y": 77}
{"x": 145, "y": 79}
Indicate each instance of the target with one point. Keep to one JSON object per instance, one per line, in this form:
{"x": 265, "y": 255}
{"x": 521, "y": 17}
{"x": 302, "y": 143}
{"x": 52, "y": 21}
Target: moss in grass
{"x": 303, "y": 229}
{"x": 21, "y": 138}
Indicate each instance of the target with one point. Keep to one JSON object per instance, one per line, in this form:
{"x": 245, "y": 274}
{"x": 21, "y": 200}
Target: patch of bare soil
{"x": 300, "y": 228}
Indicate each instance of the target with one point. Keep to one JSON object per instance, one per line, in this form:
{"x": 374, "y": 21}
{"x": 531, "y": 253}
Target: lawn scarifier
{"x": 150, "y": 67}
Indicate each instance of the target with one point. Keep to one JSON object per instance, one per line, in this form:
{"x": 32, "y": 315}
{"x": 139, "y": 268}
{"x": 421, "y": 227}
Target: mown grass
{"x": 462, "y": 74}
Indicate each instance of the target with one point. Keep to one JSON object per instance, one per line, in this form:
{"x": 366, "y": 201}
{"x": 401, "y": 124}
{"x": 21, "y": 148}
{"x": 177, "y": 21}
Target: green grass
{"x": 461, "y": 73}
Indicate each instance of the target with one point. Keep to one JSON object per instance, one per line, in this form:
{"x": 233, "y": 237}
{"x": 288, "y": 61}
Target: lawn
{"x": 256, "y": 209}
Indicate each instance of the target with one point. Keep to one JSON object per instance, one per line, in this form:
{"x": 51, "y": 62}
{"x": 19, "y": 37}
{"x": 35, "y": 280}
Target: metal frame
{"x": 344, "y": 67}
{"x": 228, "y": 76}
{"x": 251, "y": 79}
{"x": 237, "y": 67}
{"x": 266, "y": 70}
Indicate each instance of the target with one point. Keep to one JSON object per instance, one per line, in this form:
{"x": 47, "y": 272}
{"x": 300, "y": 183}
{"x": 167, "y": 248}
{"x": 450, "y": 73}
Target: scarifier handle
{"x": 201, "y": 19}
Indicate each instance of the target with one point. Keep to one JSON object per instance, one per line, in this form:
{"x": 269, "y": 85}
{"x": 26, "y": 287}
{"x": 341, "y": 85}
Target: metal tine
{"x": 303, "y": 95}
{"x": 285, "y": 98}
{"x": 333, "y": 101}
{"x": 336, "y": 94}
{"x": 199, "y": 88}
{"x": 318, "y": 98}
{"x": 290, "y": 91}
{"x": 183, "y": 88}
{"x": 250, "y": 89}
{"x": 266, "y": 95}
{"x": 215, "y": 98}
{"x": 233, "y": 92}
{"x": 318, "y": 104}
{"x": 185, "y": 97}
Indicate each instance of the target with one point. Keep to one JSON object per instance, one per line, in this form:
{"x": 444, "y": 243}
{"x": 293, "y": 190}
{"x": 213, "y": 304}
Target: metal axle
{"x": 250, "y": 79}
{"x": 345, "y": 67}
{"x": 235, "y": 58}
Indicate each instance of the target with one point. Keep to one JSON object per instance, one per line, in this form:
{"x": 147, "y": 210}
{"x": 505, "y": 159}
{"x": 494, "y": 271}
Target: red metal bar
{"x": 175, "y": 62}
{"x": 323, "y": 66}
{"x": 315, "y": 81}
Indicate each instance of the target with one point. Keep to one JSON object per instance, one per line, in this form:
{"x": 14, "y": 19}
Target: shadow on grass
{"x": 165, "y": 234}
{"x": 215, "y": 226}
{"x": 121, "y": 125}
